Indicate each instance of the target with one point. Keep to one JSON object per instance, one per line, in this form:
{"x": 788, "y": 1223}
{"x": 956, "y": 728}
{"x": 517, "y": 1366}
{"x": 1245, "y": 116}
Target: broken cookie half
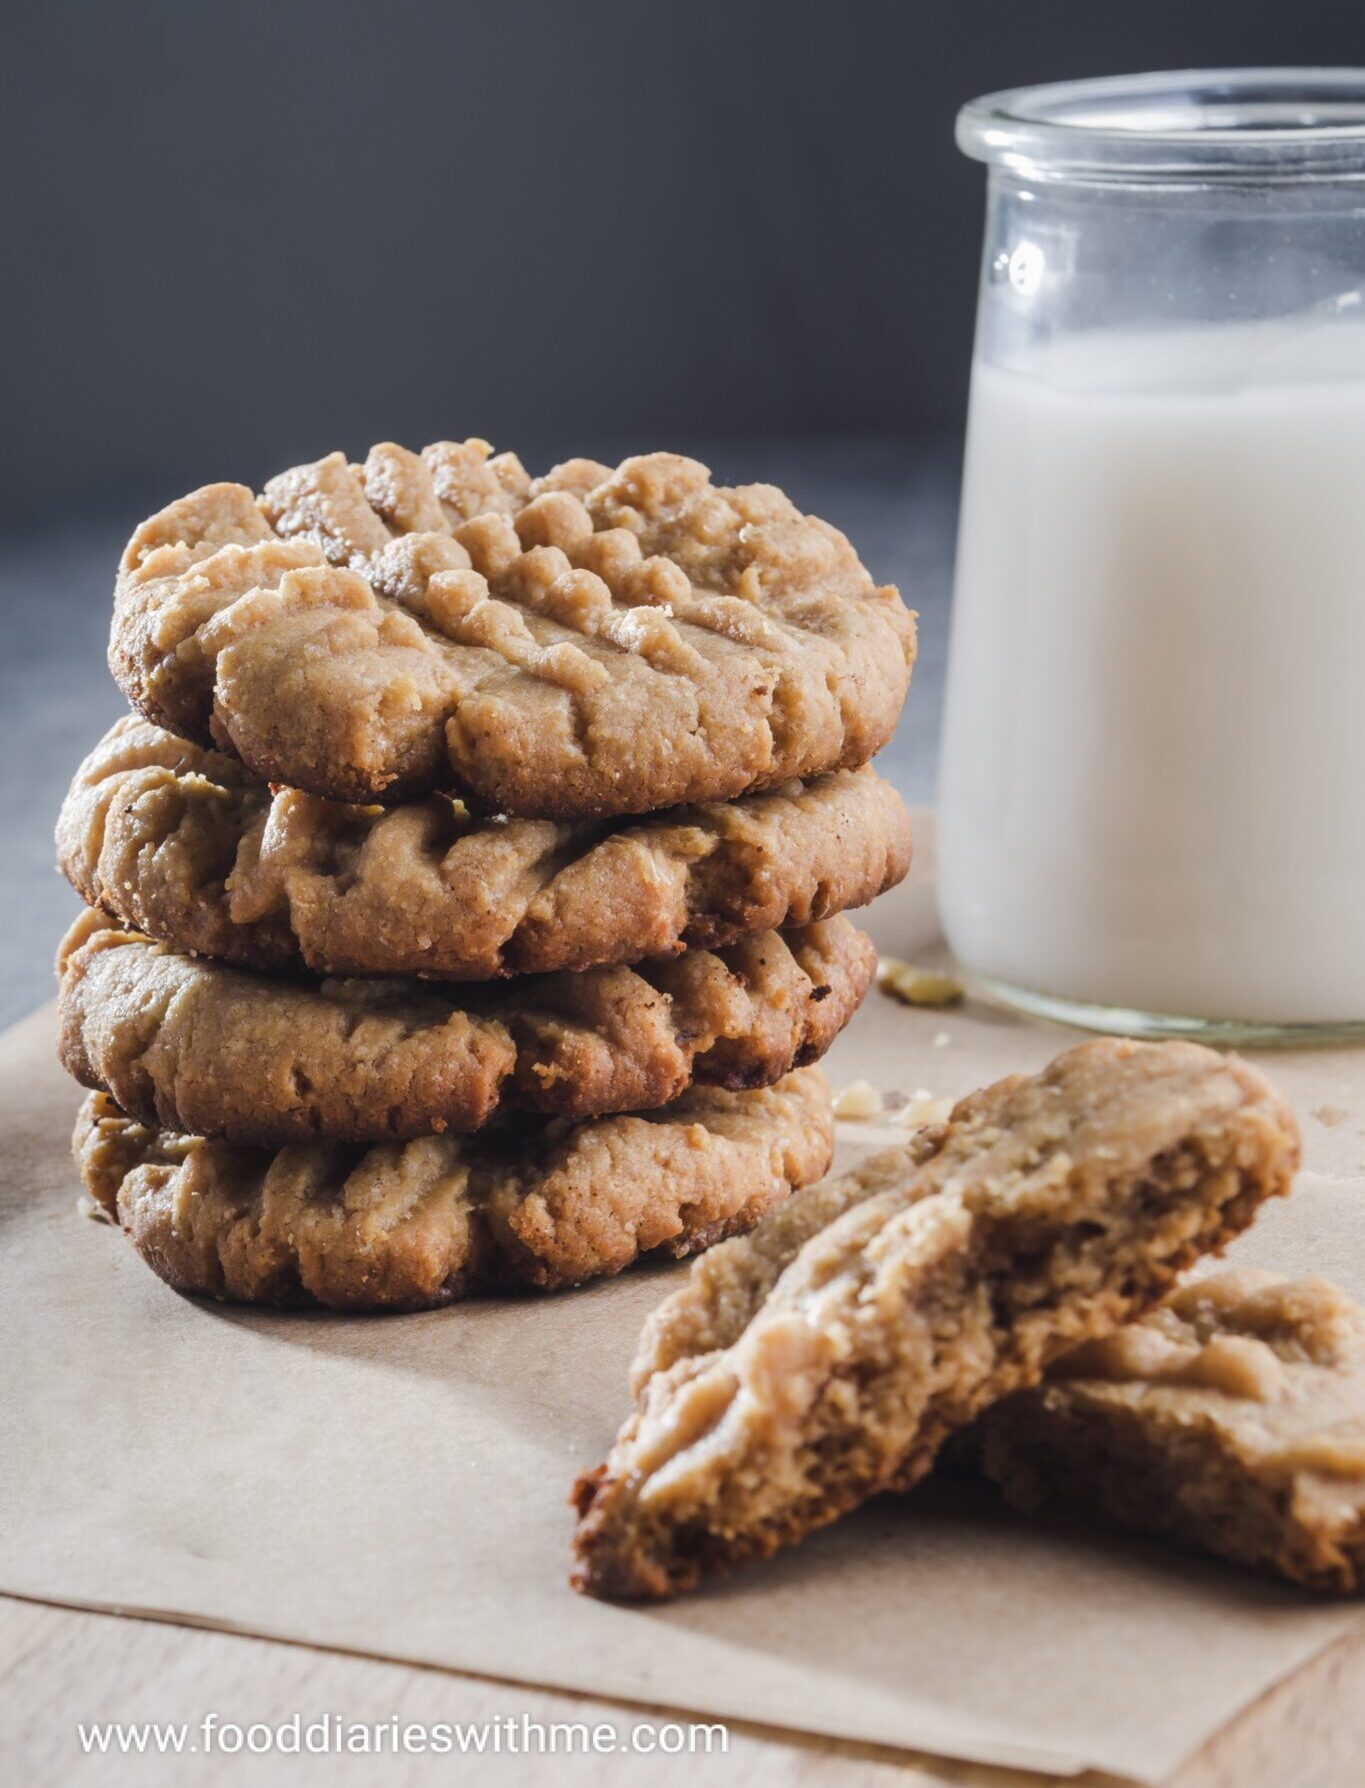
{"x": 1232, "y": 1419}
{"x": 828, "y": 1355}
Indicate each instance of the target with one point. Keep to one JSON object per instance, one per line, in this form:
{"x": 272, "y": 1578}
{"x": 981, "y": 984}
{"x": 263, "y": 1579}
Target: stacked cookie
{"x": 465, "y": 898}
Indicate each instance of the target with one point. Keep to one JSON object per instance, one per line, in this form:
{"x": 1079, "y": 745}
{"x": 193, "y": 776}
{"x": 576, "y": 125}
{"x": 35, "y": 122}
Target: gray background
{"x": 239, "y": 235}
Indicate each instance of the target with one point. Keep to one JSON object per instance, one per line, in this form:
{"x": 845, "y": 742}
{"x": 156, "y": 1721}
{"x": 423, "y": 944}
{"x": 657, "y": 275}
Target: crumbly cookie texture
{"x": 830, "y": 1355}
{"x": 1232, "y": 1419}
{"x": 590, "y": 643}
{"x": 410, "y": 1226}
{"x": 183, "y": 843}
{"x": 189, "y": 1044}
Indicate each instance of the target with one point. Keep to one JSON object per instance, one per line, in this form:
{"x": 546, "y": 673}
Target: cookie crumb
{"x": 858, "y": 1101}
{"x": 923, "y": 1108}
{"x": 918, "y": 986}
{"x": 1331, "y": 1115}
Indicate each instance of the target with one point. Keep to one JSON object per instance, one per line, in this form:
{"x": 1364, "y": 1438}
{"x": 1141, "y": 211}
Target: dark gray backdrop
{"x": 241, "y": 234}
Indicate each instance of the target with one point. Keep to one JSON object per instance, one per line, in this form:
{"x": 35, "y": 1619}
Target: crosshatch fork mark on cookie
{"x": 588, "y": 643}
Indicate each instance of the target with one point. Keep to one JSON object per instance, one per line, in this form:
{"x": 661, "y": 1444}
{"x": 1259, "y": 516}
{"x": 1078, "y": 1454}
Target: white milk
{"x": 1153, "y": 789}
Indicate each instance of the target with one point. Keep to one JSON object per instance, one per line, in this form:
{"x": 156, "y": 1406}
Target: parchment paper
{"x": 397, "y": 1486}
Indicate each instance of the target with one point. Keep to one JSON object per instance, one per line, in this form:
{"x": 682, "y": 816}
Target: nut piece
{"x": 923, "y": 1108}
{"x": 918, "y": 986}
{"x": 858, "y": 1101}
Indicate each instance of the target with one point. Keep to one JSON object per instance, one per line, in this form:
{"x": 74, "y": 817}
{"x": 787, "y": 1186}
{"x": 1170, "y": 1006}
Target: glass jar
{"x": 1152, "y": 800}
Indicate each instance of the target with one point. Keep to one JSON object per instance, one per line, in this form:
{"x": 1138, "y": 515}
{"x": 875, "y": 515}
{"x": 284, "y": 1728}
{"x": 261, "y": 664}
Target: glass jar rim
{"x": 1261, "y": 124}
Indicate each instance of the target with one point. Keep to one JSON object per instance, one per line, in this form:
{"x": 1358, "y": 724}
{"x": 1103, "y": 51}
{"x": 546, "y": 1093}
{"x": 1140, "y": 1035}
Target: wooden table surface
{"x": 61, "y": 1666}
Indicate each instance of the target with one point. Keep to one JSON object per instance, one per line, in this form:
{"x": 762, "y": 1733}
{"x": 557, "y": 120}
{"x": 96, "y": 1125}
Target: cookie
{"x": 189, "y": 1044}
{"x": 586, "y": 644}
{"x": 1231, "y": 1419}
{"x": 829, "y": 1356}
{"x": 184, "y": 844}
{"x": 413, "y": 1225}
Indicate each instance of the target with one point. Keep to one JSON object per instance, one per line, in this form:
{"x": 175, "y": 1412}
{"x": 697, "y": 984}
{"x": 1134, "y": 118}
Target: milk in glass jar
{"x": 1152, "y": 802}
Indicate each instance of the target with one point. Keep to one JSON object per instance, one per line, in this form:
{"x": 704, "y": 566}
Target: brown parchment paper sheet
{"x": 397, "y": 1486}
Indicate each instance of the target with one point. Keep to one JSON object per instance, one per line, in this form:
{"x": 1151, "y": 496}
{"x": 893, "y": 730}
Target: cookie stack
{"x": 465, "y": 894}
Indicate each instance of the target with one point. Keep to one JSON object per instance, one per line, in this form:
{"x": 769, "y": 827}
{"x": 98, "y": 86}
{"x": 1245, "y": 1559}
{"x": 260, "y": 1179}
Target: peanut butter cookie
{"x": 1232, "y": 1418}
{"x": 829, "y": 1356}
{"x": 408, "y": 1226}
{"x": 194, "y": 1045}
{"x": 590, "y": 643}
{"x": 186, "y": 845}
